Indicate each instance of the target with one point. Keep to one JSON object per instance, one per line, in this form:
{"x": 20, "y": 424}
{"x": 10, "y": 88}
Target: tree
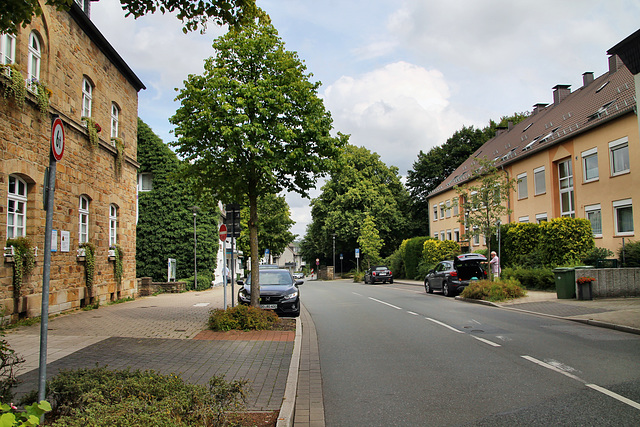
{"x": 194, "y": 14}
{"x": 362, "y": 185}
{"x": 483, "y": 200}
{"x": 369, "y": 241}
{"x": 273, "y": 228}
{"x": 253, "y": 124}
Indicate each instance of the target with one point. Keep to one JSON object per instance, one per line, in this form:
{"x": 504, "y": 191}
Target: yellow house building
{"x": 578, "y": 157}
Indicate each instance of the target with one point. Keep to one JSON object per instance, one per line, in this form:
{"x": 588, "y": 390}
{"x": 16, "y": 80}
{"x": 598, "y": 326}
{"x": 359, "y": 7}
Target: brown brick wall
{"x": 68, "y": 55}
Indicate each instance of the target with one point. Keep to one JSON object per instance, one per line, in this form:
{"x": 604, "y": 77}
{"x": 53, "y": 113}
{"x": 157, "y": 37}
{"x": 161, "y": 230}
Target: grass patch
{"x": 499, "y": 290}
{"x": 242, "y": 317}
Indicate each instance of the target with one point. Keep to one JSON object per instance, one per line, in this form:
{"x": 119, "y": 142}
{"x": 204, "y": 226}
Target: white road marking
{"x": 412, "y": 313}
{"x": 201, "y": 304}
{"x": 444, "y": 324}
{"x": 385, "y": 303}
{"x": 553, "y": 368}
{"x": 355, "y": 293}
{"x": 486, "y": 341}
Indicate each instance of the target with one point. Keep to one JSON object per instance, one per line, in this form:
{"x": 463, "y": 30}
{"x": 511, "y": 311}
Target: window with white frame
{"x": 442, "y": 235}
{"x": 523, "y": 193}
{"x": 619, "y": 154}
{"x": 83, "y": 214}
{"x": 565, "y": 178}
{"x": 539, "y": 181}
{"x": 594, "y": 214}
{"x": 435, "y": 212}
{"x": 113, "y": 224}
{"x": 16, "y": 207}
{"x": 523, "y": 219}
{"x": 441, "y": 210}
{"x": 435, "y": 235}
{"x": 448, "y": 234}
{"x": 623, "y": 217}
{"x": 476, "y": 236}
{"x": 590, "y": 165}
{"x": 87, "y": 93}
{"x": 456, "y": 235}
{"x": 145, "y": 182}
{"x": 455, "y": 208}
{"x": 115, "y": 114}
{"x": 7, "y": 49}
{"x": 33, "y": 66}
{"x": 448, "y": 210}
{"x": 541, "y": 217}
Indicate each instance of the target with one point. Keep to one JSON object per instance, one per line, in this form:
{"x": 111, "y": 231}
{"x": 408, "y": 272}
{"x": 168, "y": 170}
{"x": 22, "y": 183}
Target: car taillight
{"x": 454, "y": 274}
{"x": 374, "y": 273}
{"x": 390, "y": 273}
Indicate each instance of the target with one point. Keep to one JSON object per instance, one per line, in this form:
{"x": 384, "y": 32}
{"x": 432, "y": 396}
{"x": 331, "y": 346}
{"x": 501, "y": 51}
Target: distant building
{"x": 95, "y": 194}
{"x": 290, "y": 258}
{"x": 577, "y": 157}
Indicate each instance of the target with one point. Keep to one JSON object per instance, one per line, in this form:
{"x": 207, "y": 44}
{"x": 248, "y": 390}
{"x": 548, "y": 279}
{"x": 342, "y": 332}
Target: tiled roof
{"x": 605, "y": 98}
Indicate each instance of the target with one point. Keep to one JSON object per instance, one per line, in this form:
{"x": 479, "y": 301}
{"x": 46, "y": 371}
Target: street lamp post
{"x": 195, "y": 210}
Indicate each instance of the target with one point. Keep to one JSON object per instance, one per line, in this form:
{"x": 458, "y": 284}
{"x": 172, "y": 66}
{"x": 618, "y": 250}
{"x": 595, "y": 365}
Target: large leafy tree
{"x": 362, "y": 185}
{"x": 369, "y": 241}
{"x": 274, "y": 226}
{"x": 194, "y": 14}
{"x": 253, "y": 124}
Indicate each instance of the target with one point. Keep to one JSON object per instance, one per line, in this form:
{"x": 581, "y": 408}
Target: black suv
{"x": 451, "y": 277}
{"x": 278, "y": 291}
{"x": 378, "y": 273}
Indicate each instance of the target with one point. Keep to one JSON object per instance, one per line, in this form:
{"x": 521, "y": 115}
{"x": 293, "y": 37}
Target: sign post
{"x": 358, "y": 259}
{"x": 57, "y": 150}
{"x": 222, "y": 233}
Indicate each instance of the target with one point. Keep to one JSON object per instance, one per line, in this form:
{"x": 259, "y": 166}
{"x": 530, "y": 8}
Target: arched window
{"x": 87, "y": 92}
{"x": 115, "y": 114}
{"x": 34, "y": 61}
{"x": 16, "y": 207}
{"x": 113, "y": 224}
{"x": 83, "y": 213}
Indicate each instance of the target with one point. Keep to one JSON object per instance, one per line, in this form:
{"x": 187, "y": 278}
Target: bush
{"x": 413, "y": 254}
{"x": 395, "y": 264}
{"x": 596, "y": 254}
{"x": 531, "y": 278}
{"x": 498, "y": 290}
{"x": 100, "y": 397}
{"x": 358, "y": 276}
{"x": 204, "y": 282}
{"x": 630, "y": 256}
{"x": 423, "y": 269}
{"x": 9, "y": 364}
{"x": 241, "y": 317}
{"x": 565, "y": 240}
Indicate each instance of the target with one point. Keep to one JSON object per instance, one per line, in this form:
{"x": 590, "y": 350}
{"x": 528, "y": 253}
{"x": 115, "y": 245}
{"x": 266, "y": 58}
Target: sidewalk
{"x": 615, "y": 313}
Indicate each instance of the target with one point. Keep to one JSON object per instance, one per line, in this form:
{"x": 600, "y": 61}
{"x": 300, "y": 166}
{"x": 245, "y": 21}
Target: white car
{"x": 299, "y": 275}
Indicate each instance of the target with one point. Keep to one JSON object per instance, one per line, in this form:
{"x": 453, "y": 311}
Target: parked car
{"x": 452, "y": 276}
{"x": 278, "y": 291}
{"x": 378, "y": 273}
{"x": 298, "y": 275}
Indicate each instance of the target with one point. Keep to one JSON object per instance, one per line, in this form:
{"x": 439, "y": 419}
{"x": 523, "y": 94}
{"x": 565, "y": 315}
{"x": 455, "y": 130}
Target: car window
{"x": 381, "y": 268}
{"x": 273, "y": 277}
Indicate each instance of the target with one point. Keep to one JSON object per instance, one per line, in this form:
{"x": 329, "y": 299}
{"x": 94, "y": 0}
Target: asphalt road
{"x": 392, "y": 355}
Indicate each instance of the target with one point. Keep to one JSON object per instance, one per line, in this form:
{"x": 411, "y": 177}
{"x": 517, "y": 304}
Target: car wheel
{"x": 427, "y": 287}
{"x": 391, "y": 282}
{"x": 447, "y": 291}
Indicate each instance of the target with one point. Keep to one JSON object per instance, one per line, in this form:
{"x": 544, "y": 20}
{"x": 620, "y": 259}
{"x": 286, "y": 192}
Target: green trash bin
{"x": 565, "y": 278}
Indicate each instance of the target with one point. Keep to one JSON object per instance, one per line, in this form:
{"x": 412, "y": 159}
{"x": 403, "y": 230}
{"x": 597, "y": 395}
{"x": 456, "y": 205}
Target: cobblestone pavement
{"x": 157, "y": 333}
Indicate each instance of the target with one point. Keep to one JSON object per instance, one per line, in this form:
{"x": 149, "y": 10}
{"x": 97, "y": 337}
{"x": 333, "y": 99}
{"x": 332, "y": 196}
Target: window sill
{"x": 625, "y": 172}
{"x": 589, "y": 181}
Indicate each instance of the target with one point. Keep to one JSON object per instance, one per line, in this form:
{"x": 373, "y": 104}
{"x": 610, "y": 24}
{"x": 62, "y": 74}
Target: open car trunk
{"x": 469, "y": 266}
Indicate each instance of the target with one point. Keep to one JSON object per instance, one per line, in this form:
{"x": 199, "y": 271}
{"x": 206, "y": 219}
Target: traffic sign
{"x": 357, "y": 253}
{"x": 317, "y": 261}
{"x": 57, "y": 139}
{"x": 223, "y": 232}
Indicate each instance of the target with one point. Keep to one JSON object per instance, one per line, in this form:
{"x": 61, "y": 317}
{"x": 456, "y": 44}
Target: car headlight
{"x": 291, "y": 296}
{"x": 244, "y": 296}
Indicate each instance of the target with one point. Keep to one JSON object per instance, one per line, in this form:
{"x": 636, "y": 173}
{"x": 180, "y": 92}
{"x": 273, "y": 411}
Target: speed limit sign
{"x": 57, "y": 139}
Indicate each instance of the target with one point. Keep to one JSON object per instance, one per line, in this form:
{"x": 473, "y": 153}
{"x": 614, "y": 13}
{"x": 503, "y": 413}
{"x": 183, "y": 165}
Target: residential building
{"x": 290, "y": 258}
{"x": 89, "y": 87}
{"x": 578, "y": 157}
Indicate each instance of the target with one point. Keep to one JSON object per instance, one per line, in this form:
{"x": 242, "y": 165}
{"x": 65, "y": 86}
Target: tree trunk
{"x": 253, "y": 246}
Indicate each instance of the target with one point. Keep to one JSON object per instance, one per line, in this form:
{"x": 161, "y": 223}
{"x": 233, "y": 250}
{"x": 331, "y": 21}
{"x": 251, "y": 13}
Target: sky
{"x": 400, "y": 76}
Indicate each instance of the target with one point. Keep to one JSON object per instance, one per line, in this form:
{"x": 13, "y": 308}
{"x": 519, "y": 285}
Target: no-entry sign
{"x": 223, "y": 232}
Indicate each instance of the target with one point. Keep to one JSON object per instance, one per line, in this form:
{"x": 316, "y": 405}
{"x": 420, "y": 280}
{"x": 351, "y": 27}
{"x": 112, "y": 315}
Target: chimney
{"x": 509, "y": 125}
{"x": 500, "y": 130}
{"x": 560, "y": 92}
{"x": 587, "y": 78}
{"x": 614, "y": 63}
{"x": 537, "y": 108}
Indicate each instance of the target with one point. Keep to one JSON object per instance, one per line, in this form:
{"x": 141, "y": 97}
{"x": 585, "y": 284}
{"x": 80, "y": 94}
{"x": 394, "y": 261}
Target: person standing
{"x": 494, "y": 264}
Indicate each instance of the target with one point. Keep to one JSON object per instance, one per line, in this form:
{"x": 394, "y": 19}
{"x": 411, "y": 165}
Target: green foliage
{"x": 358, "y": 276}
{"x": 630, "y": 255}
{"x": 413, "y": 255}
{"x": 104, "y": 398}
{"x": 519, "y": 241}
{"x": 9, "y": 364}
{"x": 204, "y": 282}
{"x": 165, "y": 222}
{"x": 370, "y": 241}
{"x": 194, "y": 15}
{"x": 596, "y": 254}
{"x": 89, "y": 262}
{"x": 395, "y": 262}
{"x": 15, "y": 88}
{"x": 498, "y": 290}
{"x": 42, "y": 98}
{"x": 565, "y": 240}
{"x": 434, "y": 251}
{"x": 23, "y": 261}
{"x": 11, "y": 416}
{"x": 119, "y": 143}
{"x": 92, "y": 130}
{"x": 241, "y": 317}
{"x": 118, "y": 264}
{"x": 531, "y": 278}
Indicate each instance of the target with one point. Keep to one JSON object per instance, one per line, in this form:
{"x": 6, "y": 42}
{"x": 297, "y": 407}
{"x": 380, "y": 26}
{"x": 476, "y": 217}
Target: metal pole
{"x": 195, "y": 253}
{"x": 233, "y": 264}
{"x": 334, "y": 256}
{"x": 46, "y": 271}
{"x": 224, "y": 270}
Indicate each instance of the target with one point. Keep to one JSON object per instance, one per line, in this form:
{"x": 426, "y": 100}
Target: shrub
{"x": 204, "y": 282}
{"x": 531, "y": 278}
{"x": 358, "y": 276}
{"x": 100, "y": 397}
{"x": 565, "y": 240}
{"x": 596, "y": 254}
{"x": 413, "y": 255}
{"x": 9, "y": 364}
{"x": 630, "y": 255}
{"x": 395, "y": 264}
{"x": 498, "y": 290}
{"x": 242, "y": 317}
{"x": 423, "y": 269}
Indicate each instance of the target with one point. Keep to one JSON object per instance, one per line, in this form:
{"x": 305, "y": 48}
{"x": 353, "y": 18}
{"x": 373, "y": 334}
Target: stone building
{"x": 576, "y": 157}
{"x": 63, "y": 55}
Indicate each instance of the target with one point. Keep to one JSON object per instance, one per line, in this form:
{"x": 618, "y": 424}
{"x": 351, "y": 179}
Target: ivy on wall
{"x": 23, "y": 261}
{"x": 165, "y": 222}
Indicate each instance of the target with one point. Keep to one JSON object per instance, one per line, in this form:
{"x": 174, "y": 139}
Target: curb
{"x": 285, "y": 417}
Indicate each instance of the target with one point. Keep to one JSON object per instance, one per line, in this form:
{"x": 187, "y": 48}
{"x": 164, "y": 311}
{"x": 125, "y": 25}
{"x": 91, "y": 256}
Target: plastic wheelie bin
{"x": 565, "y": 278}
